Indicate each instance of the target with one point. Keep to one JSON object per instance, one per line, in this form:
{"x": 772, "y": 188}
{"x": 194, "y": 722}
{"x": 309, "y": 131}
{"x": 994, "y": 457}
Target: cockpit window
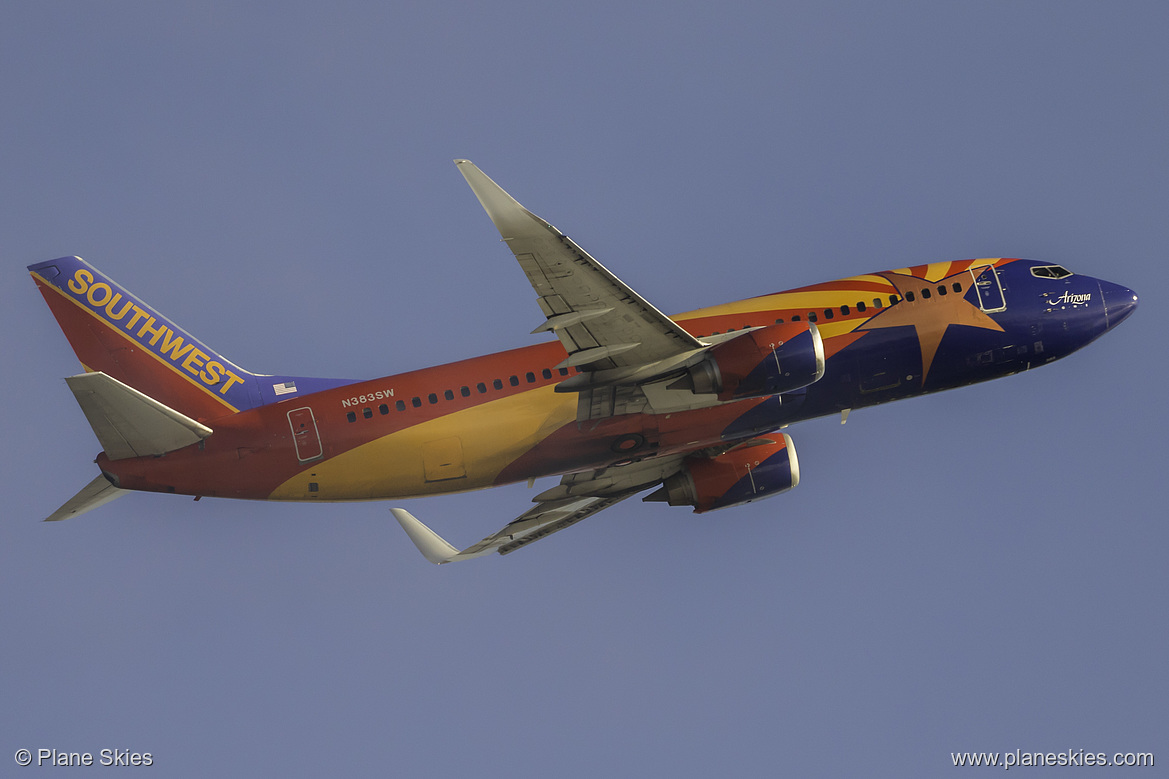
{"x": 1050, "y": 272}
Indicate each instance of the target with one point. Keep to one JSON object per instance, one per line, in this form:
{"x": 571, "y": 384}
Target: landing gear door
{"x": 989, "y": 289}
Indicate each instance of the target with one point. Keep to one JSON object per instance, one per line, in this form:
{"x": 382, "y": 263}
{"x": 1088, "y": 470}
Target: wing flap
{"x": 548, "y": 519}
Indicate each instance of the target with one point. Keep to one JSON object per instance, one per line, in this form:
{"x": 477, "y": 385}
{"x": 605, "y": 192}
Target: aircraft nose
{"x": 1119, "y": 302}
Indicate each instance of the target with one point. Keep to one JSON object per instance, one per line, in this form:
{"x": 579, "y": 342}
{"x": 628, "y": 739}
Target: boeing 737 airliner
{"x": 625, "y": 399}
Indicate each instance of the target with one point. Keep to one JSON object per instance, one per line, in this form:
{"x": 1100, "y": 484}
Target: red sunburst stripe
{"x": 838, "y": 286}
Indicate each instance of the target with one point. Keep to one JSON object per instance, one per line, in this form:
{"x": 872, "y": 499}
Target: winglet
{"x": 509, "y": 216}
{"x": 433, "y": 546}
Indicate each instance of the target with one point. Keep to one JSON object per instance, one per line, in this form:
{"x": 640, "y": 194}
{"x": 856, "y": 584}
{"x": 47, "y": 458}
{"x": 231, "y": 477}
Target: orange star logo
{"x": 930, "y": 316}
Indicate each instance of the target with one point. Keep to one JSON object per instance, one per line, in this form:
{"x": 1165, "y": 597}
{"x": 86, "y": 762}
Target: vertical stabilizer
{"x": 117, "y": 334}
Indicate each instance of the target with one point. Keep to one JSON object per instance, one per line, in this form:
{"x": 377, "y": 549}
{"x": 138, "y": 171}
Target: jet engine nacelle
{"x": 767, "y": 361}
{"x": 750, "y": 472}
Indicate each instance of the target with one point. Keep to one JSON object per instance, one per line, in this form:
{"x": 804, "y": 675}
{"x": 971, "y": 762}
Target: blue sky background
{"x": 981, "y": 570}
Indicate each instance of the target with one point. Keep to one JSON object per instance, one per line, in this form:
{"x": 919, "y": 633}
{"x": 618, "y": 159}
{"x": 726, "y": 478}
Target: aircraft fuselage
{"x": 498, "y": 419}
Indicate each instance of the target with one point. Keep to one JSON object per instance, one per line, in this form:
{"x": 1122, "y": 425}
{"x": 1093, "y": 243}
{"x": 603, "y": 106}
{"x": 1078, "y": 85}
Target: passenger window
{"x": 564, "y": 371}
{"x": 513, "y": 381}
{"x": 383, "y": 409}
{"x": 909, "y": 297}
{"x": 957, "y": 287}
{"x": 352, "y": 417}
{"x": 925, "y": 293}
{"x": 497, "y": 383}
{"x": 779, "y": 321}
{"x": 400, "y": 405}
{"x": 844, "y": 310}
{"x": 416, "y": 401}
{"x": 465, "y": 392}
{"x": 893, "y": 300}
{"x": 432, "y": 398}
{"x": 546, "y": 373}
{"x": 812, "y": 316}
{"x": 531, "y": 377}
{"x": 367, "y": 412}
{"x": 828, "y": 313}
{"x": 877, "y": 302}
{"x": 860, "y": 307}
{"x": 481, "y": 388}
{"x": 942, "y": 290}
{"x": 449, "y": 395}
{"x": 796, "y": 318}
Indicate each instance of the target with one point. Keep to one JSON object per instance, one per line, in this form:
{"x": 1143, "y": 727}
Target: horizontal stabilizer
{"x": 130, "y": 424}
{"x": 97, "y": 493}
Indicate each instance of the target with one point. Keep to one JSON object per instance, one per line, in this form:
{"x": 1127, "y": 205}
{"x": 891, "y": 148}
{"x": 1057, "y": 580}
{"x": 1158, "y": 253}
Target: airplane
{"x": 624, "y": 400}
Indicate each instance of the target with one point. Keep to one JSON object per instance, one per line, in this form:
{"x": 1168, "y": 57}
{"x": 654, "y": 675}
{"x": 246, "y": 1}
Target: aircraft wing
{"x": 532, "y": 525}
{"x": 577, "y": 497}
{"x": 604, "y": 325}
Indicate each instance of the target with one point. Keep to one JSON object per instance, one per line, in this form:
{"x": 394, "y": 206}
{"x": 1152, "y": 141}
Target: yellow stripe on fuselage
{"x": 813, "y": 300}
{"x": 491, "y": 436}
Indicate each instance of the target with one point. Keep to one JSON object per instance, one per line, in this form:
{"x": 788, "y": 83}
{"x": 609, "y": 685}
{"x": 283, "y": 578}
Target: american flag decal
{"x": 286, "y": 388}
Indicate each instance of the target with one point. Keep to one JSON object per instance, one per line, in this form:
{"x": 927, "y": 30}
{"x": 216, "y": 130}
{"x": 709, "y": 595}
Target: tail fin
{"x": 115, "y": 333}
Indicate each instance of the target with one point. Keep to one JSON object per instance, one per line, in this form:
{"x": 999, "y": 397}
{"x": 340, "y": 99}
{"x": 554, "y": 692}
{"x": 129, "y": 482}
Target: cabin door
{"x": 305, "y": 435}
{"x": 989, "y": 289}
